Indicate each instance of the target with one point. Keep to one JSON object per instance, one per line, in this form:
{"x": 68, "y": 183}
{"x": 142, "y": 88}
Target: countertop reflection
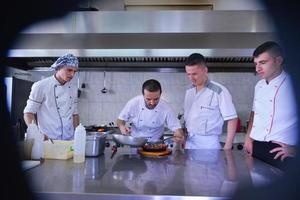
{"x": 183, "y": 174}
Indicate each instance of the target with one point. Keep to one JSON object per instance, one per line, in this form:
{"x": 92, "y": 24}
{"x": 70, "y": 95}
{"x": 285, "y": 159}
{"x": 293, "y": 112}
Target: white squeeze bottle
{"x": 37, "y": 151}
{"x": 79, "y": 144}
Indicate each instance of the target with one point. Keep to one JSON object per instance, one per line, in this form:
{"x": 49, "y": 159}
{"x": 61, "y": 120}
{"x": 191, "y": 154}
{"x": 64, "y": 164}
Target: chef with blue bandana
{"x": 53, "y": 101}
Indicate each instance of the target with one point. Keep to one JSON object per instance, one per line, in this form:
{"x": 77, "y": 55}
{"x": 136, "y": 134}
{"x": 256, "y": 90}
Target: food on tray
{"x": 155, "y": 147}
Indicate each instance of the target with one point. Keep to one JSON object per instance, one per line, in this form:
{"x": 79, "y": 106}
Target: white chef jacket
{"x": 204, "y": 114}
{"x": 55, "y": 105}
{"x": 148, "y": 122}
{"x": 275, "y": 111}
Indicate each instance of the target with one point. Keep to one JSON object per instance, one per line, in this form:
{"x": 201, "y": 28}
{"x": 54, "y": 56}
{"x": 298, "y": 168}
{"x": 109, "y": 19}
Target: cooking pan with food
{"x": 129, "y": 140}
{"x": 157, "y": 146}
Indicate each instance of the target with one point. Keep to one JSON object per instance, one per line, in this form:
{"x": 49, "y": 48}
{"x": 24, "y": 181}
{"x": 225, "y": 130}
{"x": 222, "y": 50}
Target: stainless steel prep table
{"x": 189, "y": 174}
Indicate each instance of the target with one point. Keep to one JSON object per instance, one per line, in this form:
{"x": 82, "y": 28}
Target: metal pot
{"x": 95, "y": 143}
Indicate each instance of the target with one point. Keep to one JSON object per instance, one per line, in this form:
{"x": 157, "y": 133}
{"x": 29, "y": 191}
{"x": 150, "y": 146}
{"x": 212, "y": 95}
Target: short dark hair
{"x": 151, "y": 85}
{"x": 270, "y": 47}
{"x": 195, "y": 59}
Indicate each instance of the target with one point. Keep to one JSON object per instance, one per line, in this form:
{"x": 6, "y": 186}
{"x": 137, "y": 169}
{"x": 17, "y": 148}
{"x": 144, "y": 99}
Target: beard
{"x": 150, "y": 107}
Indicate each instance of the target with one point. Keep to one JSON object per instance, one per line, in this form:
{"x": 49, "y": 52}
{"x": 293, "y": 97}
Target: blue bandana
{"x": 67, "y": 60}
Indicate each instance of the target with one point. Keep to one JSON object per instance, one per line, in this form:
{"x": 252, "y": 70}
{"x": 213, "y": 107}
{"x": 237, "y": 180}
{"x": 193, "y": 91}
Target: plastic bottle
{"x": 33, "y": 132}
{"x": 79, "y": 144}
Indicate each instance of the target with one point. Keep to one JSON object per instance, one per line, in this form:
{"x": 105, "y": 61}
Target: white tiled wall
{"x": 96, "y": 108}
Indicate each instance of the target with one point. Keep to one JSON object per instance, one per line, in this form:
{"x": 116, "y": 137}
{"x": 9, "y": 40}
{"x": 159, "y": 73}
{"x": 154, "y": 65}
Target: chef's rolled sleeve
{"x": 172, "y": 122}
{"x": 75, "y": 112}
{"x": 124, "y": 115}
{"x": 226, "y": 105}
{"x": 127, "y": 111}
{"x": 35, "y": 99}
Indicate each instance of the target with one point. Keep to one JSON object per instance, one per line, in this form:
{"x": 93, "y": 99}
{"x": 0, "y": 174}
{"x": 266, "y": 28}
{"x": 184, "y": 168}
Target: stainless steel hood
{"x": 153, "y": 39}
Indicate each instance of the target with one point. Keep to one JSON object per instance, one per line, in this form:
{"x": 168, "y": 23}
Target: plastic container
{"x": 59, "y": 149}
{"x": 26, "y": 148}
{"x": 79, "y": 144}
{"x": 37, "y": 151}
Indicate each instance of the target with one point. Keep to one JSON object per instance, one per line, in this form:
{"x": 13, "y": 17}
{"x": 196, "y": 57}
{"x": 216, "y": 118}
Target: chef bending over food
{"x": 149, "y": 114}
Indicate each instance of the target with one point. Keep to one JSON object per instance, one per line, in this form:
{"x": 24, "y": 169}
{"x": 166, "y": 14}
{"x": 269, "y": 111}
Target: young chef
{"x": 54, "y": 101}
{"x": 149, "y": 114}
{"x": 272, "y": 131}
{"x": 206, "y": 106}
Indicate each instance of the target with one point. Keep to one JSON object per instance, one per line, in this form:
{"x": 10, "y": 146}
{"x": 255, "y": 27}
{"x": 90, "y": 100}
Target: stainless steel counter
{"x": 189, "y": 174}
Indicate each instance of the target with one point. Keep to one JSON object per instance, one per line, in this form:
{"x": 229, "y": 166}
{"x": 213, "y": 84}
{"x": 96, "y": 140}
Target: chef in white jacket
{"x": 149, "y": 114}
{"x": 53, "y": 101}
{"x": 206, "y": 106}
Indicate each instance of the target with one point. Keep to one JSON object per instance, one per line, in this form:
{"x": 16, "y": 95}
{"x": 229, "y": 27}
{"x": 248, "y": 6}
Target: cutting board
{"x": 154, "y": 154}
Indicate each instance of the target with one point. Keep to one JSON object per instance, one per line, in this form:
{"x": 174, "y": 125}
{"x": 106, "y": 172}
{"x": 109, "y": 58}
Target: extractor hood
{"x": 139, "y": 39}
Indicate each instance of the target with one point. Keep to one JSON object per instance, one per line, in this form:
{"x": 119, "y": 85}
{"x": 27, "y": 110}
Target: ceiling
{"x": 145, "y": 40}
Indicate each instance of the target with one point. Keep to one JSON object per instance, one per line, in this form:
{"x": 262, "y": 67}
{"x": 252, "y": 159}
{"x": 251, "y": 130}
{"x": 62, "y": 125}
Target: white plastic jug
{"x": 32, "y": 129}
{"x": 33, "y": 132}
{"x": 79, "y": 144}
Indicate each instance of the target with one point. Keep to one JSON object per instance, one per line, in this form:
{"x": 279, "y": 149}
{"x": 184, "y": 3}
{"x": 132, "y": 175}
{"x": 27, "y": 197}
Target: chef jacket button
{"x": 57, "y": 108}
{"x": 69, "y": 107}
{"x": 70, "y": 97}
{"x": 152, "y": 122}
{"x": 270, "y": 100}
{"x": 69, "y": 86}
{"x": 141, "y": 120}
{"x": 142, "y": 108}
{"x": 57, "y": 97}
{"x": 55, "y": 85}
